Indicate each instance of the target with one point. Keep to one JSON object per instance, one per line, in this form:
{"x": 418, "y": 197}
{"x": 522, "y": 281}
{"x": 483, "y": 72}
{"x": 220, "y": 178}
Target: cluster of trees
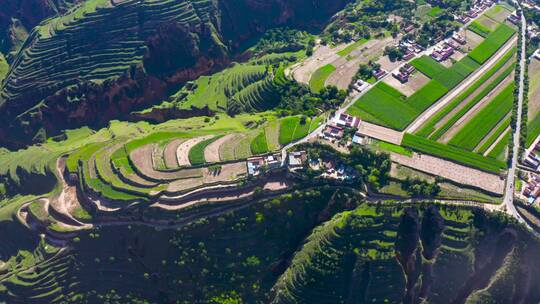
{"x": 372, "y": 167}
{"x": 296, "y": 98}
{"x": 419, "y": 188}
{"x": 440, "y": 27}
{"x": 361, "y": 18}
{"x": 280, "y": 40}
{"x": 394, "y": 53}
{"x": 451, "y": 4}
{"x": 365, "y": 72}
{"x": 524, "y": 116}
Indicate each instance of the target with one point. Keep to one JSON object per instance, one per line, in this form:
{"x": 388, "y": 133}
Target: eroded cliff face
{"x": 174, "y": 52}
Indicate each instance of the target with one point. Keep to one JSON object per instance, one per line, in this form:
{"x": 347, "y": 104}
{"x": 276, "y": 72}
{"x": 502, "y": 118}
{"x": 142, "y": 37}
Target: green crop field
{"x": 533, "y": 130}
{"x": 428, "y": 66}
{"x": 479, "y": 28}
{"x": 427, "y": 95}
{"x": 318, "y": 78}
{"x": 353, "y": 46}
{"x": 286, "y": 129}
{"x": 476, "y": 99}
{"x": 498, "y": 151}
{"x": 484, "y": 121}
{"x": 4, "y": 67}
{"x": 386, "y": 108}
{"x": 449, "y": 77}
{"x": 259, "y": 144}
{"x": 492, "y": 43}
{"x": 196, "y": 153}
{"x": 429, "y": 127}
{"x": 457, "y": 155}
{"x": 494, "y": 136}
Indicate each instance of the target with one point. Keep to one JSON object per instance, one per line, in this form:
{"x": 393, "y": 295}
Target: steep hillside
{"x": 373, "y": 254}
{"x": 104, "y": 59}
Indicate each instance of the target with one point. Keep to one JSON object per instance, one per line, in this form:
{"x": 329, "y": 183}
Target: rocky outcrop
{"x": 108, "y": 76}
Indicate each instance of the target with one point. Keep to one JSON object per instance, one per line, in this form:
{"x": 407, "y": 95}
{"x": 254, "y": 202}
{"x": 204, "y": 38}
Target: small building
{"x": 333, "y": 131}
{"x": 536, "y": 55}
{"x": 348, "y": 121}
{"x": 297, "y": 159}
{"x": 409, "y": 69}
{"x": 273, "y": 161}
{"x": 379, "y": 74}
{"x": 513, "y": 18}
{"x": 360, "y": 85}
{"x": 409, "y": 54}
{"x": 459, "y": 39}
{"x": 358, "y": 139}
{"x": 255, "y": 165}
{"x": 402, "y": 77}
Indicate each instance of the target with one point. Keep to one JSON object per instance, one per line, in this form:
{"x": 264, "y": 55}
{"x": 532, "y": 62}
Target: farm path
{"x": 420, "y": 120}
{"x": 182, "y": 153}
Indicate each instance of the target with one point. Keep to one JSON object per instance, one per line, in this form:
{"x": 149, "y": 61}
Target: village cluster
{"x": 297, "y": 160}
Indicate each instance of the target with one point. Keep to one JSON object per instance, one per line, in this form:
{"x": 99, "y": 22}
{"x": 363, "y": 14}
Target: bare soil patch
{"x": 473, "y": 40}
{"x": 228, "y": 173}
{"x": 322, "y": 56}
{"x": 185, "y": 184}
{"x": 416, "y": 81}
{"x": 452, "y": 171}
{"x": 226, "y": 150}
{"x": 534, "y": 89}
{"x": 171, "y": 161}
{"x": 211, "y": 153}
{"x": 346, "y": 67}
{"x": 182, "y": 152}
{"x": 381, "y": 133}
{"x": 457, "y": 56}
{"x": 387, "y": 64}
{"x": 142, "y": 159}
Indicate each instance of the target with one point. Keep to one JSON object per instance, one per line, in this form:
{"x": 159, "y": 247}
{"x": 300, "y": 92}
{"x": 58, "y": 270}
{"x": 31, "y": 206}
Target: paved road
{"x": 508, "y": 202}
